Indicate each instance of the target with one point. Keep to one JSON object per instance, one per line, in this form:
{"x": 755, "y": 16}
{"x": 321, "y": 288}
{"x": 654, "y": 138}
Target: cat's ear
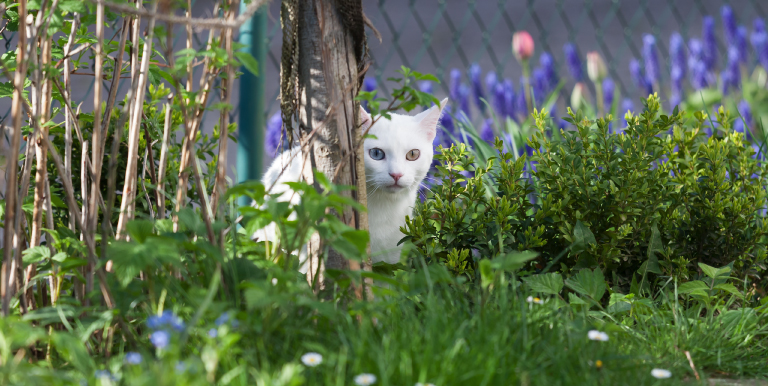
{"x": 429, "y": 119}
{"x": 365, "y": 119}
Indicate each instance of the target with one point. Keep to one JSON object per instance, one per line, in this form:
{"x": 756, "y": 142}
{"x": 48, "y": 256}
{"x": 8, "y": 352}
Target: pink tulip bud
{"x": 522, "y": 45}
{"x": 595, "y": 67}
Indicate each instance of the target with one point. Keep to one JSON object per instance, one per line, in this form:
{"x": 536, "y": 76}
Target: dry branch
{"x": 207, "y": 23}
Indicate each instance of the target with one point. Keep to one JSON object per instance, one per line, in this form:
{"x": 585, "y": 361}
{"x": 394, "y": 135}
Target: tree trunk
{"x": 328, "y": 83}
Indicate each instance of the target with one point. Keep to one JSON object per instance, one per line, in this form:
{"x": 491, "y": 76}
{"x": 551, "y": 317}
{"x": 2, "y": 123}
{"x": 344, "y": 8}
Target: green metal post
{"x": 250, "y": 144}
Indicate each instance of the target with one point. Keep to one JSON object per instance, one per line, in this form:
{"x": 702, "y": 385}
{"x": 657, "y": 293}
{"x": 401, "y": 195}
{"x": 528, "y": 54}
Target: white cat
{"x": 396, "y": 162}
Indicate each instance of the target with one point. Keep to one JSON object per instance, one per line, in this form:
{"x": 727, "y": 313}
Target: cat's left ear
{"x": 429, "y": 119}
{"x": 365, "y": 119}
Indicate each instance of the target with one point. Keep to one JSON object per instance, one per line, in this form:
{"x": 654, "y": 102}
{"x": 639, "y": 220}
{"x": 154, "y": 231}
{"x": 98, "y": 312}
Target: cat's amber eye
{"x": 376, "y": 154}
{"x": 413, "y": 155}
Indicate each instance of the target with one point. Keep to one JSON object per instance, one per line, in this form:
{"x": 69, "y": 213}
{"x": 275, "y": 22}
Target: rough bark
{"x": 328, "y": 83}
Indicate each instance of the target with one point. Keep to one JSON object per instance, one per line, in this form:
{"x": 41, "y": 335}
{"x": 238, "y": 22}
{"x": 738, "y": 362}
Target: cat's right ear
{"x": 365, "y": 119}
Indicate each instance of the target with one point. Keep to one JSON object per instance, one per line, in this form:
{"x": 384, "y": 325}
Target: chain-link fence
{"x": 435, "y": 36}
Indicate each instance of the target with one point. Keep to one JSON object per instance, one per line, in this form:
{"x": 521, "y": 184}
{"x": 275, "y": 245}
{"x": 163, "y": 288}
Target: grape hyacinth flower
{"x": 477, "y": 87}
{"x": 626, "y": 105}
{"x": 463, "y": 113}
{"x": 741, "y": 44}
{"x": 743, "y": 122}
{"x": 273, "y": 138}
{"x": 573, "y": 62}
{"x": 609, "y": 91}
{"x": 677, "y": 56}
{"x": 759, "y": 40}
{"x": 486, "y": 131}
{"x": 732, "y": 77}
{"x": 677, "y": 86}
{"x": 651, "y": 59}
{"x": 709, "y": 42}
{"x": 455, "y": 84}
{"x": 548, "y": 65}
{"x": 425, "y": 87}
{"x": 509, "y": 99}
{"x": 729, "y": 24}
{"x": 490, "y": 81}
{"x": 499, "y": 101}
{"x": 639, "y": 79}
{"x": 446, "y": 121}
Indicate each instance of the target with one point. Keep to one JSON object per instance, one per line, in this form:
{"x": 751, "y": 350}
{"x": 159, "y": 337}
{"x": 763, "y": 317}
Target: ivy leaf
{"x": 248, "y": 62}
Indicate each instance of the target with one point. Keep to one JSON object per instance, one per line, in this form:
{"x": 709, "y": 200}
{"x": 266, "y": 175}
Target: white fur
{"x": 387, "y": 204}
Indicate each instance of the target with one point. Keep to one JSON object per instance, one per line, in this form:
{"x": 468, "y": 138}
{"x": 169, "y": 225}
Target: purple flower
{"x": 104, "y": 374}
{"x": 273, "y": 138}
{"x": 626, "y": 105}
{"x": 223, "y": 318}
{"x": 573, "y": 61}
{"x": 486, "y": 131}
{"x": 455, "y": 83}
{"x": 609, "y": 89}
{"x": 548, "y": 65}
{"x": 213, "y": 333}
{"x": 181, "y": 366}
{"x": 741, "y": 44}
{"x": 369, "y": 84}
{"x": 160, "y": 339}
{"x": 521, "y": 105}
{"x": 539, "y": 86}
{"x": 509, "y": 98}
{"x": 446, "y": 121}
{"x": 758, "y": 25}
{"x": 651, "y": 59}
{"x": 677, "y": 86}
{"x": 759, "y": 39}
{"x": 133, "y": 358}
{"x": 425, "y": 87}
{"x": 477, "y": 87}
{"x": 677, "y": 56}
{"x": 710, "y": 42}
{"x": 168, "y": 318}
{"x": 729, "y": 22}
{"x": 732, "y": 78}
{"x": 743, "y": 122}
{"x": 490, "y": 81}
{"x": 499, "y": 101}
{"x": 639, "y": 79}
{"x": 463, "y": 102}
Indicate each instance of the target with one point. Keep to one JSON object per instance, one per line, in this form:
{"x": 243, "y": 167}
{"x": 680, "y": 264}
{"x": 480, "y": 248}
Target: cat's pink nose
{"x": 396, "y": 176}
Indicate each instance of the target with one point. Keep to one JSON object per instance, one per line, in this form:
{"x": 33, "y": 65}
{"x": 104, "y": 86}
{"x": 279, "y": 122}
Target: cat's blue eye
{"x": 376, "y": 154}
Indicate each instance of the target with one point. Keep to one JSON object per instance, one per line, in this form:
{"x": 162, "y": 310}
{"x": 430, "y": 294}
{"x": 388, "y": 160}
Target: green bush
{"x": 635, "y": 203}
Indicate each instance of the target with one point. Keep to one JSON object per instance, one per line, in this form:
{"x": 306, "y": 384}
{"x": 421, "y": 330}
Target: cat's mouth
{"x": 395, "y": 187}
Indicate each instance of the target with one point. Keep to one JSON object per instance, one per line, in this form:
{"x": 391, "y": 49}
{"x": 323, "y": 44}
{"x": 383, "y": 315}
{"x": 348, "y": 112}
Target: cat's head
{"x": 398, "y": 159}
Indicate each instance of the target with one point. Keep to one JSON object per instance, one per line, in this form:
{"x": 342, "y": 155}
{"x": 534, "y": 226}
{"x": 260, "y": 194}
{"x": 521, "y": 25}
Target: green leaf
{"x": 513, "y": 261}
{"x": 486, "y": 273}
{"x": 248, "y": 62}
{"x": 582, "y": 237}
{"x": 713, "y": 272}
{"x": 35, "y": 254}
{"x": 655, "y": 245}
{"x": 73, "y": 351}
{"x": 692, "y": 286}
{"x": 588, "y": 282}
{"x": 140, "y": 230}
{"x": 730, "y": 288}
{"x": 548, "y": 283}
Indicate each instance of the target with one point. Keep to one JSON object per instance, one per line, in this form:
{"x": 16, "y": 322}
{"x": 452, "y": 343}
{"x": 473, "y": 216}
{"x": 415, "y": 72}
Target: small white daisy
{"x": 597, "y": 335}
{"x": 365, "y": 379}
{"x": 312, "y": 359}
{"x": 661, "y": 373}
{"x": 532, "y": 299}
{"x": 424, "y": 384}
{"x": 274, "y": 281}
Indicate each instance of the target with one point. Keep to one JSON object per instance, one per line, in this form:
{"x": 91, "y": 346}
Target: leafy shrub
{"x": 633, "y": 203}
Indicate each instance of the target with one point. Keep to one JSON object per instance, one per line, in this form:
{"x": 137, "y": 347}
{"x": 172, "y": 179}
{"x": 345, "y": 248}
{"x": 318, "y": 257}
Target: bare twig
{"x": 68, "y": 116}
{"x": 226, "y": 87}
{"x": 160, "y": 189}
{"x": 693, "y": 367}
{"x": 211, "y": 23}
{"x": 129, "y": 190}
{"x": 115, "y": 82}
{"x": 11, "y": 193}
